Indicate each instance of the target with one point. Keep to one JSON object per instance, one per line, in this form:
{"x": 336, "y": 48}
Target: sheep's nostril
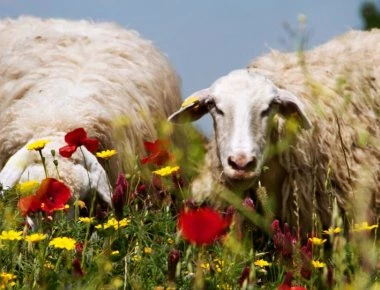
{"x": 241, "y": 162}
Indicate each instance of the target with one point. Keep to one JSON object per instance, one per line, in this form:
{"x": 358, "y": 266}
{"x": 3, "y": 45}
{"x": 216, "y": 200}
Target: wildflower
{"x": 318, "y": 264}
{"x": 106, "y": 154}
{"x": 170, "y": 241}
{"x": 77, "y": 268}
{"x": 79, "y": 248}
{"x": 80, "y": 203}
{"x": 115, "y": 253}
{"x": 205, "y": 266}
{"x": 261, "y": 263}
{"x": 75, "y": 139}
{"x": 114, "y": 223}
{"x": 11, "y": 235}
{"x": 363, "y": 227}
{"x": 158, "y": 152}
{"x": 244, "y": 276}
{"x": 63, "y": 243}
{"x": 147, "y": 250}
{"x": 331, "y": 231}
{"x": 52, "y": 195}
{"x": 86, "y": 220}
{"x": 218, "y": 264}
{"x": 37, "y": 145}
{"x": 173, "y": 259}
{"x": 6, "y": 280}
{"x": 165, "y": 171}
{"x": 202, "y": 226}
{"x": 27, "y": 187}
{"x": 287, "y": 284}
{"x": 317, "y": 241}
{"x": 136, "y": 258}
{"x": 283, "y": 241}
{"x": 34, "y": 238}
{"x": 119, "y": 197}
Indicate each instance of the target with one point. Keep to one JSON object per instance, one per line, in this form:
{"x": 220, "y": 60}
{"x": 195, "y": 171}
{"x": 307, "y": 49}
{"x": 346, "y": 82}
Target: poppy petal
{"x": 76, "y": 137}
{"x": 91, "y": 144}
{"x": 29, "y": 204}
{"x": 202, "y": 226}
{"x": 67, "y": 151}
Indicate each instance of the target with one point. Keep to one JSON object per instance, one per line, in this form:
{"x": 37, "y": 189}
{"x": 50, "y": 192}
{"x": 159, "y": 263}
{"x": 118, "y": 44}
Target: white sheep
{"x": 306, "y": 125}
{"x": 58, "y": 75}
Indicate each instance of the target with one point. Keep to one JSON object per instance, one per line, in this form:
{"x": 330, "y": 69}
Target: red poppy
{"x": 287, "y": 284}
{"x": 202, "y": 226}
{"x": 159, "y": 154}
{"x": 52, "y": 195}
{"x": 76, "y": 138}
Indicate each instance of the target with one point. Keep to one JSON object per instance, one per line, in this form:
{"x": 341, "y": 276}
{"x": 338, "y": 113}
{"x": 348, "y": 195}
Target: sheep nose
{"x": 242, "y": 162}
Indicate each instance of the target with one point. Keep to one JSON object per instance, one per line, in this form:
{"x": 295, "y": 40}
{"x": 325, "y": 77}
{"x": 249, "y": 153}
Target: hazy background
{"x": 206, "y": 39}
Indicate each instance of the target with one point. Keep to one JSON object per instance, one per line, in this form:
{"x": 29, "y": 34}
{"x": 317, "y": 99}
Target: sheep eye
{"x": 266, "y": 112}
{"x": 212, "y": 106}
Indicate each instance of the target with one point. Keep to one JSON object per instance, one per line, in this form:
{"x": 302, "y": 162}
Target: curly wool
{"x": 57, "y": 75}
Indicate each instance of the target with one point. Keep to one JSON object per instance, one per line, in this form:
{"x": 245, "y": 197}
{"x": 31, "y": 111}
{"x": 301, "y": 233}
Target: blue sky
{"x": 205, "y": 39}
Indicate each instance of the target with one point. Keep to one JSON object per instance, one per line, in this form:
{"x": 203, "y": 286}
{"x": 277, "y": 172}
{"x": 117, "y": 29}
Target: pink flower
{"x": 76, "y": 138}
{"x": 202, "y": 226}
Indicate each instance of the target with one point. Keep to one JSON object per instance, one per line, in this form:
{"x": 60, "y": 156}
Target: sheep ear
{"x": 98, "y": 177}
{"x": 193, "y": 107}
{"x": 289, "y": 104}
{"x": 14, "y": 168}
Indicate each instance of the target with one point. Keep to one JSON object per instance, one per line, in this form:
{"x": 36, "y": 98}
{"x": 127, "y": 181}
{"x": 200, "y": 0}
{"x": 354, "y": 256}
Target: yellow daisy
{"x": 37, "y": 145}
{"x": 86, "y": 220}
{"x": 318, "y": 264}
{"x": 165, "y": 171}
{"x": 33, "y": 238}
{"x": 63, "y": 243}
{"x": 112, "y": 222}
{"x": 363, "y": 227}
{"x": 80, "y": 203}
{"x": 261, "y": 263}
{"x": 11, "y": 235}
{"x": 331, "y": 231}
{"x": 317, "y": 241}
{"x": 26, "y": 188}
{"x": 106, "y": 154}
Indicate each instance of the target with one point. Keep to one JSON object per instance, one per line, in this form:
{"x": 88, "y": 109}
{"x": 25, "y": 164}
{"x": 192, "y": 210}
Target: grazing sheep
{"x": 306, "y": 125}
{"x": 58, "y": 75}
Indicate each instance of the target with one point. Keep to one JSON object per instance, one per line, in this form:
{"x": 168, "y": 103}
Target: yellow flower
{"x": 170, "y": 241}
{"x": 33, "y": 238}
{"x": 261, "y": 263}
{"x": 114, "y": 253}
{"x": 363, "y": 227}
{"x": 106, "y": 154}
{"x": 6, "y": 277}
{"x": 79, "y": 203}
{"x": 86, "y": 220}
{"x": 147, "y": 250}
{"x": 205, "y": 266}
{"x": 317, "y": 241}
{"x": 136, "y": 258}
{"x": 26, "y": 188}
{"x": 165, "y": 171}
{"x": 37, "y": 145}
{"x": 219, "y": 264}
{"x": 318, "y": 264}
{"x": 189, "y": 101}
{"x": 11, "y": 235}
{"x": 112, "y": 222}
{"x": 331, "y": 231}
{"x": 63, "y": 243}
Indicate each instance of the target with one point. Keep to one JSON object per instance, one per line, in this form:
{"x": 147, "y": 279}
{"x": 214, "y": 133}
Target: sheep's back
{"x": 340, "y": 84}
{"x": 57, "y": 75}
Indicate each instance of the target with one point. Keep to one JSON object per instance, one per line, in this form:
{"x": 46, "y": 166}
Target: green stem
{"x": 43, "y": 163}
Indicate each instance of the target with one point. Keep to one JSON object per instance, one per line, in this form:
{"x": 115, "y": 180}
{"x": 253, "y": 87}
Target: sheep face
{"x": 241, "y": 105}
